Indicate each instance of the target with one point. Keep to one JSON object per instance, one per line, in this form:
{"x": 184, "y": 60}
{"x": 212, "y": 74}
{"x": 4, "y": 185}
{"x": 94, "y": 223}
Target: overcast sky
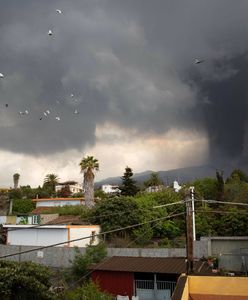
{"x": 120, "y": 83}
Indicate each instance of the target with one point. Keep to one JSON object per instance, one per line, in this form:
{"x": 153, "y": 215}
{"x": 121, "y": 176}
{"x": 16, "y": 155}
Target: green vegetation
{"x": 128, "y": 187}
{"x": 81, "y": 263}
{"x": 89, "y": 291}
{"x": 23, "y": 206}
{"x": 24, "y": 280}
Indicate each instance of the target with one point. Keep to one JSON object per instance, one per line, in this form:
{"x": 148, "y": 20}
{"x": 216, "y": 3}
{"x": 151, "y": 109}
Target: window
{"x": 35, "y": 219}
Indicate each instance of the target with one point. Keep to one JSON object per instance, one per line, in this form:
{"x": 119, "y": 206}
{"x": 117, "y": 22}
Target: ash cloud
{"x": 127, "y": 62}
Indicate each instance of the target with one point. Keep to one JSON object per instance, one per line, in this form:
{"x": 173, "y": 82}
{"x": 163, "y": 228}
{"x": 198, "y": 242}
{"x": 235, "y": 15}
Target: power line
{"x": 223, "y": 202}
{"x": 95, "y": 235}
{"x": 99, "y": 264}
{"x": 222, "y": 212}
{"x": 169, "y": 204}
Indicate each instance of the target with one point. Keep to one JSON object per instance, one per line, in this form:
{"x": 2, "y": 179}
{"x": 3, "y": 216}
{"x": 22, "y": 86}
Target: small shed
{"x": 149, "y": 278}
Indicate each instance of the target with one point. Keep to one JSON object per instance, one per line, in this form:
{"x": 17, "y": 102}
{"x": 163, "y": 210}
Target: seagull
{"x": 45, "y": 114}
{"x": 198, "y": 61}
{"x": 1, "y": 75}
{"x": 23, "y": 112}
{"x": 72, "y": 95}
{"x": 48, "y": 112}
{"x": 57, "y": 118}
{"x": 76, "y": 112}
{"x": 59, "y": 11}
{"x": 50, "y": 32}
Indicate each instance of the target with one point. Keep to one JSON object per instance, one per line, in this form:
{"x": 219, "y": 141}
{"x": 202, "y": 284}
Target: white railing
{"x": 160, "y": 285}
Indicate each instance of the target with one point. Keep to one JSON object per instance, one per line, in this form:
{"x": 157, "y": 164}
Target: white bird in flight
{"x": 198, "y": 61}
{"x": 57, "y": 118}
{"x": 1, "y": 75}
{"x": 50, "y": 32}
{"x": 23, "y": 112}
{"x": 59, "y": 11}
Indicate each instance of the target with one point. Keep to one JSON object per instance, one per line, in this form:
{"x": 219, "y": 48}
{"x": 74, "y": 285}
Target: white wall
{"x": 37, "y": 236}
{"x": 44, "y": 236}
{"x": 78, "y": 232}
{"x": 53, "y": 203}
{"x": 3, "y": 219}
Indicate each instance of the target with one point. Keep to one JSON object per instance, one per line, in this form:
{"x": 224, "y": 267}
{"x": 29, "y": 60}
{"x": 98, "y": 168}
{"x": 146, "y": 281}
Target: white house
{"x": 52, "y": 202}
{"x": 74, "y": 187}
{"x": 110, "y": 189}
{"x": 30, "y": 235}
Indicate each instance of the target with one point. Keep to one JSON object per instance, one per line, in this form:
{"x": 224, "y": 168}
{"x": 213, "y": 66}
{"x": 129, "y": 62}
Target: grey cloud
{"x": 128, "y": 62}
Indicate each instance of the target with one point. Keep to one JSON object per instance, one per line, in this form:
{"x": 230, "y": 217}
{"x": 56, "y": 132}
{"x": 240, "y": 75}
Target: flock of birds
{"x": 47, "y": 112}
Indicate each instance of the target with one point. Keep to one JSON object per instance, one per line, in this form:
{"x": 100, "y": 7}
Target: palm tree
{"x": 51, "y": 180}
{"x": 88, "y": 165}
{"x": 16, "y": 178}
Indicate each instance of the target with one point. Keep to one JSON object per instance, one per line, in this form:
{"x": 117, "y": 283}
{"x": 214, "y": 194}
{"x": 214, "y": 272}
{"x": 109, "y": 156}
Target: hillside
{"x": 182, "y": 175}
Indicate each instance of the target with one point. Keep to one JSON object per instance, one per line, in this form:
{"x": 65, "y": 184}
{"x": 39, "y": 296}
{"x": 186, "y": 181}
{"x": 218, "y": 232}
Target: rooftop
{"x": 169, "y": 265}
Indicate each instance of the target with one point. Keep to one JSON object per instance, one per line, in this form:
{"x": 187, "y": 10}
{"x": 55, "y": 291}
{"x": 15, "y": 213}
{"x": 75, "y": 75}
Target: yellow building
{"x": 211, "y": 288}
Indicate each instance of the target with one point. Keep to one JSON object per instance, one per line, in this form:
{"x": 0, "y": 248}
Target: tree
{"x": 23, "y": 206}
{"x": 206, "y": 188}
{"x": 89, "y": 291}
{"x": 88, "y": 165}
{"x": 25, "y": 280}
{"x": 154, "y": 180}
{"x": 109, "y": 213}
{"x": 65, "y": 191}
{"x": 81, "y": 263}
{"x": 128, "y": 187}
{"x": 50, "y": 181}
{"x": 237, "y": 175}
{"x": 16, "y": 178}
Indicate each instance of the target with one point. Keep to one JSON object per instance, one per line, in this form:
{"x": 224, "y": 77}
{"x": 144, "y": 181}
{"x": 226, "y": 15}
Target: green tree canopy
{"x": 128, "y": 187}
{"x": 50, "y": 181}
{"x": 154, "y": 180}
{"x": 25, "y": 280}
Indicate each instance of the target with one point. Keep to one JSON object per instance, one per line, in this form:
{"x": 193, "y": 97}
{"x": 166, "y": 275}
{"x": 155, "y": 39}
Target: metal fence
{"x": 155, "y": 285}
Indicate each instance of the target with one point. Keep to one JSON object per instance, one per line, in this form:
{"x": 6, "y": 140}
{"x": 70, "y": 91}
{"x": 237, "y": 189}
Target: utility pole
{"x": 192, "y": 197}
{"x": 189, "y": 237}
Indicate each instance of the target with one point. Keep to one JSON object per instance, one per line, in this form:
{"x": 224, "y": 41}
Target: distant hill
{"x": 182, "y": 175}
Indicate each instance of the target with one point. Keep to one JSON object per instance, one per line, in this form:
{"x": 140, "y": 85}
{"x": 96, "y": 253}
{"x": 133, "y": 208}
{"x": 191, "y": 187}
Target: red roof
{"x": 169, "y": 265}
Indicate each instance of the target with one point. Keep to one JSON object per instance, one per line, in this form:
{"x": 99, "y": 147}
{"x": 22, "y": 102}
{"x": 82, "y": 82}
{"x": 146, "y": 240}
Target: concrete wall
{"x": 61, "y": 256}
